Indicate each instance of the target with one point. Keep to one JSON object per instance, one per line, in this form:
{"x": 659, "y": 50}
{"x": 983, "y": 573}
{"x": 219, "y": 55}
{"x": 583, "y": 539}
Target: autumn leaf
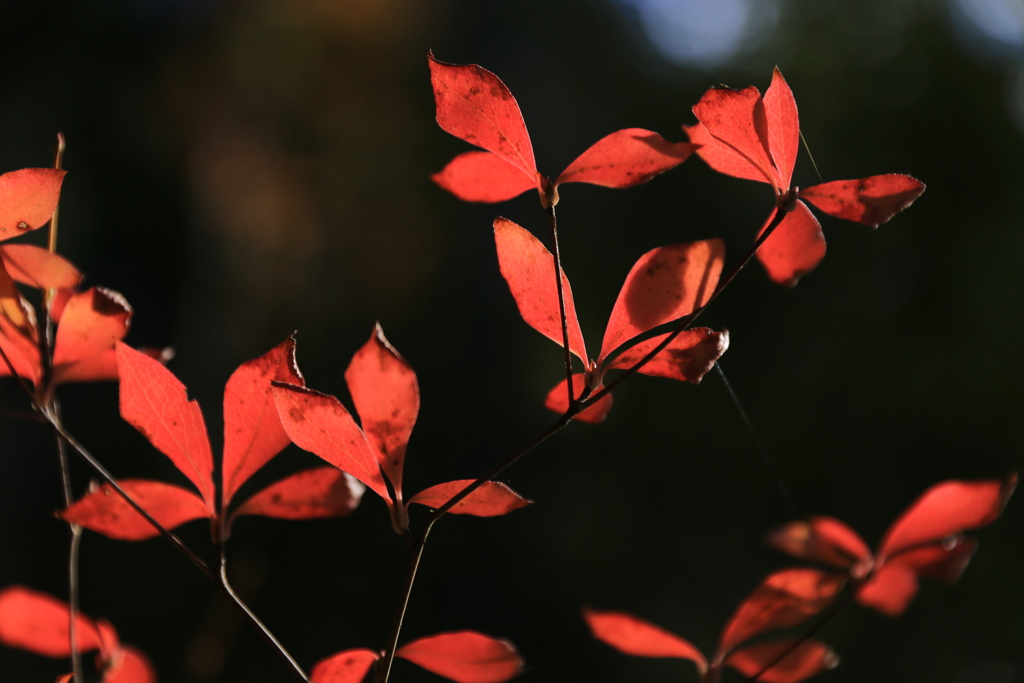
{"x": 28, "y": 199}
{"x": 465, "y": 656}
{"x": 348, "y": 666}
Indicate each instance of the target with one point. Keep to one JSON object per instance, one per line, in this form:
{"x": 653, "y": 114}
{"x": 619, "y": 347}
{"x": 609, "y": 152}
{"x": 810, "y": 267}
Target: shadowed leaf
{"x": 558, "y": 401}
{"x": 626, "y": 158}
{"x": 687, "y": 358}
{"x": 871, "y": 201}
{"x": 807, "y": 659}
{"x": 491, "y": 499}
{"x": 310, "y": 494}
{"x": 794, "y": 249}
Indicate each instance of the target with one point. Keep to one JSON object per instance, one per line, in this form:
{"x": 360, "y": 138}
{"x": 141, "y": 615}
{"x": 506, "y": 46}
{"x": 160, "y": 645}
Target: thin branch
{"x": 553, "y": 223}
{"x": 384, "y": 668}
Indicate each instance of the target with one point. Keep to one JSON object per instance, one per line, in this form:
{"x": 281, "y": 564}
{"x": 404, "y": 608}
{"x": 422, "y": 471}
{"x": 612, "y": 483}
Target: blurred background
{"x": 242, "y": 170}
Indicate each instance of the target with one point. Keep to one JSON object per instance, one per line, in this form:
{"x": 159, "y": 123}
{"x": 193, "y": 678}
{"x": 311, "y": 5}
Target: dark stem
{"x": 384, "y": 669}
{"x": 553, "y": 222}
{"x": 18, "y": 415}
{"x": 73, "y": 551}
{"x": 254, "y": 620}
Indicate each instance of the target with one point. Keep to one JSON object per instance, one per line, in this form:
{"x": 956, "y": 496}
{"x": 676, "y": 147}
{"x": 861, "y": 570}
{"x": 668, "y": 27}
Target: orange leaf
{"x": 37, "y": 267}
{"x": 91, "y": 323}
{"x": 28, "y": 199}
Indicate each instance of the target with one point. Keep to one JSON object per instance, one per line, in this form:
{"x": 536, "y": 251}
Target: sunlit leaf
{"x": 491, "y": 499}
{"x": 626, "y": 158}
{"x": 310, "y": 494}
{"x": 687, "y": 358}
{"x": 348, "y": 666}
{"x": 483, "y": 177}
{"x": 871, "y": 201}
{"x": 635, "y": 636}
{"x": 465, "y": 656}
{"x": 39, "y": 623}
{"x": 28, "y": 199}
{"x": 106, "y": 512}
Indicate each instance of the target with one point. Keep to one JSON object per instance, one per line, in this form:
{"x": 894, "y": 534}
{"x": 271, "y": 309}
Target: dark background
{"x": 240, "y": 170}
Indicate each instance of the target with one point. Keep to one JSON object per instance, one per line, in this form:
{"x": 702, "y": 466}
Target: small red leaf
{"x": 156, "y": 403}
{"x": 90, "y": 324}
{"x": 807, "y": 659}
{"x": 252, "y": 429}
{"x": 821, "y": 539}
{"x": 737, "y": 118}
{"x": 783, "y": 127}
{"x": 473, "y": 104}
{"x": 634, "y": 636}
{"x": 65, "y": 678}
{"x": 720, "y": 156}
{"x": 944, "y": 510}
{"x": 465, "y": 657}
{"x": 889, "y": 590}
{"x": 347, "y": 666}
{"x": 106, "y": 512}
{"x": 558, "y": 401}
{"x": 483, "y": 177}
{"x": 384, "y": 389}
{"x": 37, "y": 622}
{"x": 687, "y": 358}
{"x": 129, "y": 665}
{"x": 794, "y": 248}
{"x": 626, "y": 158}
{"x": 37, "y": 267}
{"x": 311, "y": 494}
{"x": 491, "y": 499}
{"x": 665, "y": 284}
{"x": 17, "y": 331}
{"x": 318, "y": 423}
{"x": 944, "y": 561}
{"x": 529, "y": 269}
{"x": 28, "y": 199}
{"x": 871, "y": 201}
{"x": 785, "y": 598}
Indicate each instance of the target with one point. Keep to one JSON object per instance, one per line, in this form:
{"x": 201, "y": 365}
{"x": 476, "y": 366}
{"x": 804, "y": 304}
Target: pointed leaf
{"x": 809, "y": 658}
{"x": 720, "y": 156}
{"x": 626, "y": 158}
{"x": 635, "y": 636}
{"x": 529, "y": 269}
{"x": 491, "y": 499}
{"x": 665, "y": 284}
{"x": 252, "y": 429}
{"x": 737, "y": 118}
{"x": 17, "y": 331}
{"x": 156, "y": 403}
{"x": 821, "y": 539}
{"x": 871, "y": 201}
{"x": 387, "y": 397}
{"x": 558, "y": 401}
{"x": 106, "y": 512}
{"x": 483, "y": 177}
{"x": 465, "y": 656}
{"x": 37, "y": 267}
{"x": 90, "y": 324}
{"x": 129, "y": 665}
{"x": 347, "y": 666}
{"x": 944, "y": 510}
{"x": 783, "y": 127}
{"x": 319, "y": 423}
{"x": 310, "y": 494}
{"x": 889, "y": 590}
{"x": 944, "y": 561}
{"x": 38, "y": 622}
{"x": 794, "y": 249}
{"x": 473, "y": 104}
{"x": 28, "y": 199}
{"x": 687, "y": 358}
{"x": 783, "y": 599}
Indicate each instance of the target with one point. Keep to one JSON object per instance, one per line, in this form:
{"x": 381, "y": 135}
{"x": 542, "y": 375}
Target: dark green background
{"x": 240, "y": 170}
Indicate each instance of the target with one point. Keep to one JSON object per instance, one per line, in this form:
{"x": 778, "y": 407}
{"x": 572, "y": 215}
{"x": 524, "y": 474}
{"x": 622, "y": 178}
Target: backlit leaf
{"x": 483, "y": 177}
{"x": 889, "y": 590}
{"x": 38, "y": 622}
{"x": 795, "y": 247}
{"x": 821, "y": 539}
{"x": 737, "y": 118}
{"x": 28, "y": 199}
{"x": 626, "y": 158}
{"x": 106, "y": 512}
{"x": 465, "y": 656}
{"x": 871, "y": 201}
{"x": 310, "y": 494}
{"x": 634, "y": 636}
{"x": 944, "y": 561}
{"x": 348, "y": 666}
{"x": 129, "y": 665}
{"x": 783, "y": 127}
{"x": 558, "y": 401}
{"x": 687, "y": 358}
{"x": 37, "y": 267}
{"x": 90, "y": 324}
{"x": 807, "y": 659}
{"x": 720, "y": 156}
{"x": 491, "y": 499}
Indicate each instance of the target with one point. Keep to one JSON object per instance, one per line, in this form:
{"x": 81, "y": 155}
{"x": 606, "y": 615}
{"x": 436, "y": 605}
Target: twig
{"x": 553, "y": 223}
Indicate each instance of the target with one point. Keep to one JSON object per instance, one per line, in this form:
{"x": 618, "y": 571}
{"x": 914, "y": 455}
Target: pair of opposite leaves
{"x": 266, "y": 407}
{"x": 738, "y": 133}
{"x": 925, "y": 541}
{"x": 88, "y": 322}
{"x": 39, "y": 623}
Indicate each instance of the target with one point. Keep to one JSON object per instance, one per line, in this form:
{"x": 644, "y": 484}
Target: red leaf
{"x": 821, "y": 539}
{"x": 347, "y": 666}
{"x": 558, "y": 401}
{"x": 465, "y": 657}
{"x": 529, "y": 269}
{"x": 318, "y": 423}
{"x": 720, "y": 156}
{"x": 37, "y": 267}
{"x": 944, "y": 510}
{"x": 785, "y": 598}
{"x": 37, "y": 622}
{"x": 794, "y": 248}
{"x": 634, "y": 636}
{"x": 473, "y": 104}
{"x": 65, "y": 678}
{"x": 28, "y": 199}
{"x": 687, "y": 358}
{"x": 106, "y": 512}
{"x": 626, "y": 158}
{"x": 92, "y": 321}
{"x": 17, "y": 331}
{"x": 665, "y": 284}
{"x": 155, "y": 402}
{"x": 311, "y": 494}
{"x": 129, "y": 665}
{"x": 783, "y": 127}
{"x": 871, "y": 201}
{"x": 252, "y": 429}
{"x": 387, "y": 397}
{"x": 737, "y": 118}
{"x": 889, "y": 590}
{"x": 490, "y": 500}
{"x": 483, "y": 177}
{"x": 943, "y": 562}
{"x": 808, "y": 659}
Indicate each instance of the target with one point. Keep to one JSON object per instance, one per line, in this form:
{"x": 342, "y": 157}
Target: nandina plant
{"x": 267, "y": 403}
